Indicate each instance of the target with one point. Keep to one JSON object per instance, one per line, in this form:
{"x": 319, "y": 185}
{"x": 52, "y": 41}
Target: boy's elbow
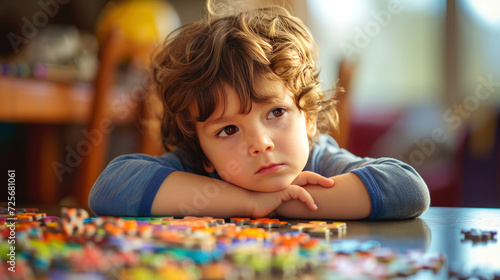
{"x": 101, "y": 196}
{"x": 95, "y": 201}
{"x": 422, "y": 204}
{"x": 417, "y": 198}
{"x": 417, "y": 188}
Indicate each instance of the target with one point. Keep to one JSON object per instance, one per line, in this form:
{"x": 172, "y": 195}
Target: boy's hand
{"x": 310, "y": 178}
{"x": 265, "y": 203}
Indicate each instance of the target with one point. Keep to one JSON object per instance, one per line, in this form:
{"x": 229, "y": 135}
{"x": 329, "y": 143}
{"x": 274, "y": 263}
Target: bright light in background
{"x": 340, "y": 11}
{"x": 404, "y": 37}
{"x": 485, "y": 10}
{"x": 333, "y": 21}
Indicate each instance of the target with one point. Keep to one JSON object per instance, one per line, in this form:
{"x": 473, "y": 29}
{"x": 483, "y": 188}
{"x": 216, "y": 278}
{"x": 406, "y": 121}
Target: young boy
{"x": 242, "y": 107}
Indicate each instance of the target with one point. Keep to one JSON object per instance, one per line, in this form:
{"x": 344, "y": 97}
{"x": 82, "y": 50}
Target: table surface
{"x": 437, "y": 231}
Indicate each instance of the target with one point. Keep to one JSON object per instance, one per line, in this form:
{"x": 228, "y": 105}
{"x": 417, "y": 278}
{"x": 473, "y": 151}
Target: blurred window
{"x": 398, "y": 47}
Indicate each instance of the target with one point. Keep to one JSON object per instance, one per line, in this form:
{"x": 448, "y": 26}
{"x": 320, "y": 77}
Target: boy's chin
{"x": 270, "y": 188}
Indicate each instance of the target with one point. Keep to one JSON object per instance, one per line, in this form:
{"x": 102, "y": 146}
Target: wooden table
{"x": 445, "y": 225}
{"x": 438, "y": 230}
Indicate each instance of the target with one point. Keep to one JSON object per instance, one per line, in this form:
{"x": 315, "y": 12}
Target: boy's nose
{"x": 259, "y": 144}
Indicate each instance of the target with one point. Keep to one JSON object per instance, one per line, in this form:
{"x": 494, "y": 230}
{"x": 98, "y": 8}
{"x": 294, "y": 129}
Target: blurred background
{"x": 422, "y": 82}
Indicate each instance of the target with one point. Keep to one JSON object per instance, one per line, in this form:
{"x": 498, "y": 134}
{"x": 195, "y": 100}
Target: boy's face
{"x": 263, "y": 150}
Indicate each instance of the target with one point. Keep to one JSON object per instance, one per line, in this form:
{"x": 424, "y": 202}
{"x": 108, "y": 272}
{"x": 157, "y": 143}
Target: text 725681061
{"x": 11, "y": 221}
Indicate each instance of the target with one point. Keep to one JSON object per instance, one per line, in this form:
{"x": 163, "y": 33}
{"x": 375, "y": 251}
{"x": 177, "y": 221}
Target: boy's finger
{"x": 297, "y": 192}
{"x": 321, "y": 181}
{"x": 312, "y": 206}
{"x": 313, "y": 179}
{"x": 306, "y": 197}
{"x": 326, "y": 182}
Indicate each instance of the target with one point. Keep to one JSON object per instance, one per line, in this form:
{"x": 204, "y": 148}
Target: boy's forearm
{"x": 187, "y": 194}
{"x": 348, "y": 199}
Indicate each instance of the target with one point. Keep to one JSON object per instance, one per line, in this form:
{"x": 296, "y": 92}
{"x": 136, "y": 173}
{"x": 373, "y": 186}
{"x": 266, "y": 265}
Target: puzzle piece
{"x": 321, "y": 228}
{"x": 352, "y": 258}
{"x": 240, "y": 221}
{"x": 113, "y": 227}
{"x": 477, "y": 235}
{"x": 21, "y": 217}
{"x": 267, "y": 223}
{"x": 459, "y": 271}
{"x": 420, "y": 260}
{"x": 72, "y": 220}
{"x": 260, "y": 222}
{"x": 347, "y": 247}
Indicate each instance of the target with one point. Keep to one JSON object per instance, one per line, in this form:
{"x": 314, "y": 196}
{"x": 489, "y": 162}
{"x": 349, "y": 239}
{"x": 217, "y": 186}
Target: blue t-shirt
{"x": 128, "y": 185}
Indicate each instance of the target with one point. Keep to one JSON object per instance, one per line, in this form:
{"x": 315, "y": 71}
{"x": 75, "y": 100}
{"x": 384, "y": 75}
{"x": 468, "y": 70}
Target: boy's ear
{"x": 311, "y": 127}
{"x": 209, "y": 168}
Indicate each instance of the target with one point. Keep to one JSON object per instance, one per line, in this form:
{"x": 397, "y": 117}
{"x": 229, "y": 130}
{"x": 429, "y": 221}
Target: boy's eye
{"x": 227, "y": 131}
{"x": 276, "y": 113}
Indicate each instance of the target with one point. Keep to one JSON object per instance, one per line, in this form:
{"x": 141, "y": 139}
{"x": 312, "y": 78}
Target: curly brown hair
{"x": 191, "y": 67}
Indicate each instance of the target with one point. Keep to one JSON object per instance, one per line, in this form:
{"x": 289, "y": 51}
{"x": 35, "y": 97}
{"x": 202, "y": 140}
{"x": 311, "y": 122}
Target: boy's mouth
{"x": 270, "y": 168}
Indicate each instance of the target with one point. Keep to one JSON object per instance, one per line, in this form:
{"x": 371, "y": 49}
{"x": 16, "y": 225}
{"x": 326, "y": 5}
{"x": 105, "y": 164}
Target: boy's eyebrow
{"x": 276, "y": 97}
{"x": 222, "y": 119}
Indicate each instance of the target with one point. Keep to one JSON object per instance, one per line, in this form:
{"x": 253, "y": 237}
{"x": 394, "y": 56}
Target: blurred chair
{"x": 126, "y": 30}
{"x": 480, "y": 171}
{"x": 345, "y": 75}
{"x": 471, "y": 178}
{"x": 445, "y": 178}
{"x": 99, "y": 123}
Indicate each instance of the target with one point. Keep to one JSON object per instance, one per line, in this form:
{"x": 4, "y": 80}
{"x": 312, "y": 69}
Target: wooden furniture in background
{"x": 346, "y": 72}
{"x": 111, "y": 55}
{"x": 99, "y": 121}
{"x": 45, "y": 106}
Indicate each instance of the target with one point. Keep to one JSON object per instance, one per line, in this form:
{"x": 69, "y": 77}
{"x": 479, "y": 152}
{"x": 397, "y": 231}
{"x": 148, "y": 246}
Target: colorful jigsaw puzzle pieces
{"x": 367, "y": 259}
{"x": 76, "y": 245}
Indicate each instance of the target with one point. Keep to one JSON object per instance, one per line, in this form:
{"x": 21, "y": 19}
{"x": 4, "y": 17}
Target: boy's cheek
{"x": 231, "y": 169}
